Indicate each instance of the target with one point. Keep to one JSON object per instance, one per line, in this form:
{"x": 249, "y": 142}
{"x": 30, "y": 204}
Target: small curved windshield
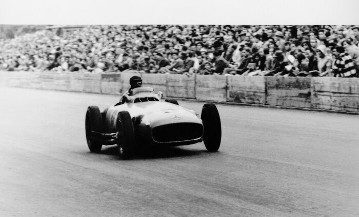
{"x": 145, "y": 99}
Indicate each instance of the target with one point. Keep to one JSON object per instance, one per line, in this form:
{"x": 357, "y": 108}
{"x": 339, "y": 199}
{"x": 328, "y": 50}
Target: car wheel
{"x": 93, "y": 122}
{"x": 126, "y": 132}
{"x": 212, "y": 127}
{"x": 173, "y": 101}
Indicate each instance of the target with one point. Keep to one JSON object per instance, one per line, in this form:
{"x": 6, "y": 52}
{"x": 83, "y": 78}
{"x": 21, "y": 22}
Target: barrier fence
{"x": 329, "y": 94}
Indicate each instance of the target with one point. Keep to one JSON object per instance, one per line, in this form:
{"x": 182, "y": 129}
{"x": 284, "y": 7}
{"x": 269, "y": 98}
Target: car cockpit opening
{"x": 146, "y": 99}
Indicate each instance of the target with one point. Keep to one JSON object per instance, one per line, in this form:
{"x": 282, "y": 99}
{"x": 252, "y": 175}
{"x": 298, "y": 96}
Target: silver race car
{"x": 145, "y": 119}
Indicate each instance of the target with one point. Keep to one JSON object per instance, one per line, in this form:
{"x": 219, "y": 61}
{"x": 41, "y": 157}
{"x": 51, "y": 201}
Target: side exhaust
{"x": 105, "y": 138}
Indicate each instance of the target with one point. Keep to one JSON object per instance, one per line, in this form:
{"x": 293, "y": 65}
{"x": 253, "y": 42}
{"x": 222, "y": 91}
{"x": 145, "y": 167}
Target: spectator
{"x": 305, "y": 45}
{"x": 324, "y": 62}
{"x": 64, "y": 63}
{"x": 279, "y": 64}
{"x": 148, "y": 65}
{"x": 236, "y": 56}
{"x": 77, "y": 65}
{"x": 160, "y": 60}
{"x": 257, "y": 43}
{"x": 268, "y": 60}
{"x": 239, "y": 69}
{"x": 257, "y": 63}
{"x": 302, "y": 63}
{"x": 246, "y": 58}
{"x": 188, "y": 63}
{"x": 23, "y": 64}
{"x": 352, "y": 50}
{"x": 135, "y": 62}
{"x": 287, "y": 49}
{"x": 355, "y": 30}
{"x": 196, "y": 60}
{"x": 52, "y": 62}
{"x": 2, "y": 63}
{"x": 279, "y": 40}
{"x": 322, "y": 37}
{"x": 343, "y": 64}
{"x": 176, "y": 65}
{"x": 228, "y": 51}
{"x": 340, "y": 34}
{"x": 260, "y": 60}
{"x": 206, "y": 69}
{"x": 119, "y": 48}
{"x": 219, "y": 62}
{"x": 312, "y": 60}
{"x": 124, "y": 64}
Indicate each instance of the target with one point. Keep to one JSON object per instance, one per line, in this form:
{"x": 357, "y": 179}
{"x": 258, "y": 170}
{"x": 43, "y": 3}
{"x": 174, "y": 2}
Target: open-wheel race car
{"x": 146, "y": 119}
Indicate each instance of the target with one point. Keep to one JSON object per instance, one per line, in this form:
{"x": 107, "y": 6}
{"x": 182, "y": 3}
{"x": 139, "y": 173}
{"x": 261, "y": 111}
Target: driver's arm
{"x": 125, "y": 98}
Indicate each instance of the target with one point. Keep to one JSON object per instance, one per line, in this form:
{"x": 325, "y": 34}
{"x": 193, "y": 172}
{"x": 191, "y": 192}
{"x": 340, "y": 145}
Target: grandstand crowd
{"x": 255, "y": 50}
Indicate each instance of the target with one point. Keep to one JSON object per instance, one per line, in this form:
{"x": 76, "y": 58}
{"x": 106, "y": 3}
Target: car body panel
{"x": 153, "y": 113}
{"x": 156, "y": 119}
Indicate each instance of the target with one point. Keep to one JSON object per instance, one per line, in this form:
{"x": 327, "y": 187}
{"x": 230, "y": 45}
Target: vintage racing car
{"x": 146, "y": 119}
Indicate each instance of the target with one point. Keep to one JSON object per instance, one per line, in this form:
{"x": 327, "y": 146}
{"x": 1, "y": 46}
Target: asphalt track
{"x": 272, "y": 162}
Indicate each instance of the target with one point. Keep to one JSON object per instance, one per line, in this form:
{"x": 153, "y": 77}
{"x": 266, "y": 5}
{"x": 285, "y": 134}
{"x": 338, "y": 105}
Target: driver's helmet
{"x": 135, "y": 81}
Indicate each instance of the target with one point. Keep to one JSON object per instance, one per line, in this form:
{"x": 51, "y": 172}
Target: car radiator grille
{"x": 177, "y": 132}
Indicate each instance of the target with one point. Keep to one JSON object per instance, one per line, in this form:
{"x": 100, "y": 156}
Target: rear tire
{"x": 212, "y": 127}
{"x": 126, "y": 141}
{"x": 93, "y": 122}
{"x": 173, "y": 101}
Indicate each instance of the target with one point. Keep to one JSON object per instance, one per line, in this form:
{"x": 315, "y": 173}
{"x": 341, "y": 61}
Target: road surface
{"x": 272, "y": 162}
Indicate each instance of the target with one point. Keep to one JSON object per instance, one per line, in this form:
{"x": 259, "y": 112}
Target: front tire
{"x": 212, "y": 127}
{"x": 93, "y": 122}
{"x": 126, "y": 132}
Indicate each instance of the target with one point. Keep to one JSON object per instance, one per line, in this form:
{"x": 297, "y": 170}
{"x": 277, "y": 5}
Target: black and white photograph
{"x": 179, "y": 108}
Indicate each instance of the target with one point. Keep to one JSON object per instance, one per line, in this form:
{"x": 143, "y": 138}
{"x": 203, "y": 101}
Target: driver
{"x": 135, "y": 82}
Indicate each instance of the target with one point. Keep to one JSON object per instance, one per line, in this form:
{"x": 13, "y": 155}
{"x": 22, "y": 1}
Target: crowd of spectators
{"x": 255, "y": 50}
